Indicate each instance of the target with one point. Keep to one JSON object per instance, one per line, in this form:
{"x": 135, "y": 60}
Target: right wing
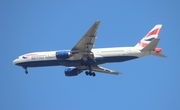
{"x": 85, "y": 44}
{"x": 87, "y": 41}
{"x": 104, "y": 70}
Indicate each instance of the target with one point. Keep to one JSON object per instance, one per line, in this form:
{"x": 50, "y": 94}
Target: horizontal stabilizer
{"x": 158, "y": 55}
{"x": 151, "y": 45}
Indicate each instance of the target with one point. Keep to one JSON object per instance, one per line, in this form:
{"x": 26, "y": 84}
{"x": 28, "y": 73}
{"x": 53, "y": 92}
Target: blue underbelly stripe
{"x": 74, "y": 63}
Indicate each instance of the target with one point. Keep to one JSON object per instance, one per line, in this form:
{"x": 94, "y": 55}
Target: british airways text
{"x": 42, "y": 57}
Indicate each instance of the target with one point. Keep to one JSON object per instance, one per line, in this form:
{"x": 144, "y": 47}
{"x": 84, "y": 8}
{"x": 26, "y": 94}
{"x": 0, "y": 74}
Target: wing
{"x": 86, "y": 43}
{"x": 104, "y": 70}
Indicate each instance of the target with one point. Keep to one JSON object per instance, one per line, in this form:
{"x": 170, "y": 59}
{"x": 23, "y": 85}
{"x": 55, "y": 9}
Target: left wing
{"x": 85, "y": 44}
{"x": 104, "y": 70}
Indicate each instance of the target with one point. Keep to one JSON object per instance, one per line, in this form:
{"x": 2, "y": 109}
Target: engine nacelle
{"x": 157, "y": 50}
{"x": 63, "y": 54}
{"x": 72, "y": 71}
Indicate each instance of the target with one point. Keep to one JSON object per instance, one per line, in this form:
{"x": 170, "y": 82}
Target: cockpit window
{"x": 24, "y": 57}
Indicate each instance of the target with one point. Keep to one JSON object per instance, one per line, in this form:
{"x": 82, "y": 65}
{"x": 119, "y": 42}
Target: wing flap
{"x": 104, "y": 70}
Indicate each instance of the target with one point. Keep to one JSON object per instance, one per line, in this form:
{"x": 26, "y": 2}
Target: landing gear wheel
{"x": 26, "y": 72}
{"x": 93, "y": 74}
{"x": 90, "y": 73}
{"x": 87, "y": 73}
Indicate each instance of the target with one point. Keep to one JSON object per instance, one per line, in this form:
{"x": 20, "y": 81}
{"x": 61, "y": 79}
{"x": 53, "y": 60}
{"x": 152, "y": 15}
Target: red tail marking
{"x": 142, "y": 44}
{"x": 154, "y": 32}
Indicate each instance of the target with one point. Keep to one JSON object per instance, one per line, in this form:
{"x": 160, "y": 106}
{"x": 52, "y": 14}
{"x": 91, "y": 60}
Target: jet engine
{"x": 63, "y": 54}
{"x": 72, "y": 71}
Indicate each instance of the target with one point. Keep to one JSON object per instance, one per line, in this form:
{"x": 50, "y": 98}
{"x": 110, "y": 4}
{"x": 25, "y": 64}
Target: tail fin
{"x": 150, "y": 41}
{"x": 152, "y": 34}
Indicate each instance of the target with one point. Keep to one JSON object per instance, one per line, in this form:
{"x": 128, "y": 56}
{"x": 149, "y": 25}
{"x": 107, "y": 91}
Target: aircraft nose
{"x": 15, "y": 62}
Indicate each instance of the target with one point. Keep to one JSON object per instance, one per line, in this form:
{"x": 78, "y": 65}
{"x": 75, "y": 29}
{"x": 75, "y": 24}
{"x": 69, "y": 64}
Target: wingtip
{"x": 98, "y": 21}
{"x": 117, "y": 73}
{"x": 120, "y": 73}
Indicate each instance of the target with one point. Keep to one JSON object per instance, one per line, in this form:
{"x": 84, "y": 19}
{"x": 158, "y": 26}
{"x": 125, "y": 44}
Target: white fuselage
{"x": 101, "y": 55}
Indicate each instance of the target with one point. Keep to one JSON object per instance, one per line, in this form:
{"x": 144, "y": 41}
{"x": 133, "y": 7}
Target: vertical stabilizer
{"x": 150, "y": 36}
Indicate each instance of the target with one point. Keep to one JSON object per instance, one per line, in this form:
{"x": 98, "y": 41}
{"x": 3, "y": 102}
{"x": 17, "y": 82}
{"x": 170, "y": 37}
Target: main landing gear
{"x": 26, "y": 71}
{"x": 90, "y": 73}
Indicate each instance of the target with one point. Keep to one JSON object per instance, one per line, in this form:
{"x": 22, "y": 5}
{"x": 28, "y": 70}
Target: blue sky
{"x": 149, "y": 83}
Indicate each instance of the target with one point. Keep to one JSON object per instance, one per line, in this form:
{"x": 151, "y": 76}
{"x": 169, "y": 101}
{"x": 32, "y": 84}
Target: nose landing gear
{"x": 26, "y": 71}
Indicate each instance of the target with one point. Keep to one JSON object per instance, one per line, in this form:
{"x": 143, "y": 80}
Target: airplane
{"x": 83, "y": 57}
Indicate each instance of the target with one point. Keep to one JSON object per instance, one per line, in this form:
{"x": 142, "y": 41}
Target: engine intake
{"x": 63, "y": 54}
{"x": 72, "y": 71}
